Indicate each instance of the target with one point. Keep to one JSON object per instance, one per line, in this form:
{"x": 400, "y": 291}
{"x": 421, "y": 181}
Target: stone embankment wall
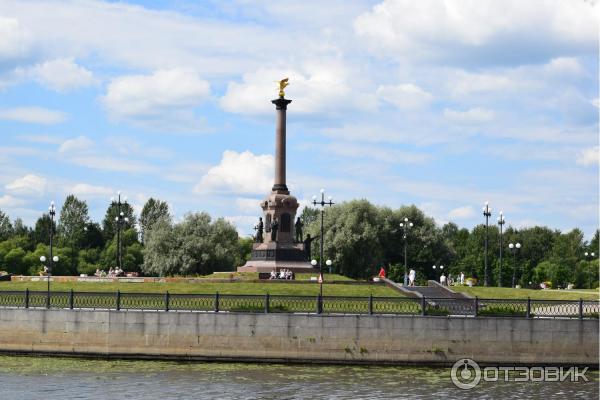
{"x": 375, "y": 339}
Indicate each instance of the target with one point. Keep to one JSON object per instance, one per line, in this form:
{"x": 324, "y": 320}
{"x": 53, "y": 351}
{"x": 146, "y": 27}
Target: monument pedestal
{"x": 267, "y": 257}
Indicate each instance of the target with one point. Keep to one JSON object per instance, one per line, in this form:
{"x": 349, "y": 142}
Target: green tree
{"x": 93, "y": 237}
{"x": 109, "y": 225}
{"x": 132, "y": 255}
{"x": 41, "y": 232}
{"x": 6, "y": 228}
{"x": 14, "y": 261}
{"x": 244, "y": 250}
{"x": 72, "y": 221}
{"x": 152, "y": 211}
{"x": 194, "y": 246}
{"x": 309, "y": 215}
{"x": 352, "y": 238}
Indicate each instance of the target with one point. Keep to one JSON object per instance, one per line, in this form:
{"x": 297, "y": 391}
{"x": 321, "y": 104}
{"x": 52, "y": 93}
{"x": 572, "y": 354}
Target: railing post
{"x": 27, "y": 298}
{"x": 476, "y": 310}
{"x": 580, "y": 308}
{"x": 423, "y": 306}
{"x": 528, "y": 314}
{"x": 71, "y": 299}
{"x": 267, "y": 303}
{"x": 217, "y": 302}
{"x": 319, "y": 304}
{"x": 371, "y": 304}
{"x": 118, "y": 300}
{"x": 167, "y": 299}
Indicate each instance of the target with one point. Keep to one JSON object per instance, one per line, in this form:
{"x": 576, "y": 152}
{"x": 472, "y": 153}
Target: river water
{"x": 32, "y": 378}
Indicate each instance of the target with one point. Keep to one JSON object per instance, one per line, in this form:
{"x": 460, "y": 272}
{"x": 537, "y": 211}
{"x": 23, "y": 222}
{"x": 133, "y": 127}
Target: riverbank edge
{"x": 282, "y": 361}
{"x": 299, "y": 338}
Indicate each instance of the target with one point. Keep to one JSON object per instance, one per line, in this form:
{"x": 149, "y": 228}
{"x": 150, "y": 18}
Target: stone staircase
{"x": 435, "y": 290}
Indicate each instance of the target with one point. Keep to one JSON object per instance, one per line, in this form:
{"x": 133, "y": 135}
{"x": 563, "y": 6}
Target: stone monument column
{"x": 279, "y": 185}
{"x": 278, "y": 248}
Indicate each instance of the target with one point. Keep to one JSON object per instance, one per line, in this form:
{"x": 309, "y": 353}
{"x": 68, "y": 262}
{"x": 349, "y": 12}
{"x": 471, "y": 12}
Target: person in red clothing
{"x": 382, "y": 273}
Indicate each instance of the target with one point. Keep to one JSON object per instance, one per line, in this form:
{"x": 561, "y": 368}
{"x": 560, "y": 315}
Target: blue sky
{"x": 442, "y": 104}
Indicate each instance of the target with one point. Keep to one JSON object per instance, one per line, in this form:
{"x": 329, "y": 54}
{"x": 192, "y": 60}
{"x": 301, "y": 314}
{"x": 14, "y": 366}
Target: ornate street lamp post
{"x": 406, "y": 225}
{"x": 487, "y": 213}
{"x": 53, "y": 259}
{"x": 121, "y": 220}
{"x": 501, "y": 223}
{"x": 513, "y": 248}
{"x": 590, "y": 256}
{"x": 323, "y": 203}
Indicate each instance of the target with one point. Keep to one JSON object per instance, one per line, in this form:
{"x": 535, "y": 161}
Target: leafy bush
{"x": 501, "y": 311}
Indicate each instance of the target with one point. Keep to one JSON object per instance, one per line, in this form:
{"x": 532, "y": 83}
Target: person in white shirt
{"x": 462, "y": 278}
{"x": 411, "y": 277}
{"x": 443, "y": 279}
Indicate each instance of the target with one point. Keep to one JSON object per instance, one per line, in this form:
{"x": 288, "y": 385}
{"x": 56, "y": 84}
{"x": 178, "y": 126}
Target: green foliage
{"x": 93, "y": 237}
{"x": 152, "y": 211}
{"x": 309, "y": 215}
{"x": 109, "y": 225}
{"x": 132, "y": 252}
{"x": 6, "y": 228}
{"x": 244, "y": 250}
{"x": 194, "y": 246}
{"x": 72, "y": 221}
{"x": 41, "y": 232}
{"x": 14, "y": 261}
{"x": 501, "y": 311}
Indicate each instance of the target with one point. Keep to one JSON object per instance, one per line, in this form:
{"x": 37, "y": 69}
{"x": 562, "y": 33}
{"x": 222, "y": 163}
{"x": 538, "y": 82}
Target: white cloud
{"x": 471, "y": 116}
{"x": 463, "y": 83}
{"x": 239, "y": 173}
{"x": 462, "y": 213}
{"x": 164, "y": 99}
{"x": 314, "y": 88}
{"x": 244, "y": 224}
{"x": 456, "y": 29}
{"x": 28, "y": 185}
{"x": 247, "y": 205}
{"x": 8, "y": 201}
{"x": 590, "y": 156}
{"x": 62, "y": 74}
{"x": 375, "y": 153}
{"x": 78, "y": 144}
{"x": 15, "y": 41}
{"x": 405, "y": 96}
{"x": 564, "y": 66}
{"x": 90, "y": 191}
{"x": 85, "y": 152}
{"x": 33, "y": 115}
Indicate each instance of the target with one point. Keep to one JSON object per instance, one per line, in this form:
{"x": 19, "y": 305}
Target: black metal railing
{"x": 479, "y": 307}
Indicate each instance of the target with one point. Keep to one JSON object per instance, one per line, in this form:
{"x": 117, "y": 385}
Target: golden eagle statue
{"x": 282, "y": 85}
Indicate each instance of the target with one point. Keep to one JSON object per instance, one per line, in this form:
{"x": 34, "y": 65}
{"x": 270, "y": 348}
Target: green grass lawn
{"x": 510, "y": 293}
{"x": 276, "y": 288}
{"x": 254, "y": 275}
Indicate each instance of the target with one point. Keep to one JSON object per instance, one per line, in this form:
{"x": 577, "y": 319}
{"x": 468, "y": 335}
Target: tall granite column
{"x": 279, "y": 185}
